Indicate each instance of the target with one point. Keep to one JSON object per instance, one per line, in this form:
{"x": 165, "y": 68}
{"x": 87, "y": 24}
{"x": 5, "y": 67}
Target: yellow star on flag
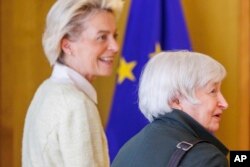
{"x": 125, "y": 70}
{"x": 157, "y": 50}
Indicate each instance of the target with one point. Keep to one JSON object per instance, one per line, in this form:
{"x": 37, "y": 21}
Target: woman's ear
{"x": 66, "y": 46}
{"x": 175, "y": 103}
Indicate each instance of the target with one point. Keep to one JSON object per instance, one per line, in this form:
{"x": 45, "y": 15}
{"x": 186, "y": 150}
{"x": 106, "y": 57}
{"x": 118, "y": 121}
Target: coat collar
{"x": 64, "y": 74}
{"x": 193, "y": 127}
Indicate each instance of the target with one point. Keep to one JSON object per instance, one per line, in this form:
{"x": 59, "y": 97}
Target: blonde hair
{"x": 65, "y": 19}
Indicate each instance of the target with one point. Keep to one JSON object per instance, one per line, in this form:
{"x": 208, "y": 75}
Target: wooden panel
{"x": 244, "y": 73}
{"x": 6, "y": 133}
{"x": 23, "y": 68}
{"x": 6, "y": 147}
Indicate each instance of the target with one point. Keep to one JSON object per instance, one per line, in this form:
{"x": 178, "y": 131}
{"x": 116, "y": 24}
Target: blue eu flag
{"x": 152, "y": 26}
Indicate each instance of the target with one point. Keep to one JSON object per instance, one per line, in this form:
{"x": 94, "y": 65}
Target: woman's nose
{"x": 222, "y": 102}
{"x": 113, "y": 45}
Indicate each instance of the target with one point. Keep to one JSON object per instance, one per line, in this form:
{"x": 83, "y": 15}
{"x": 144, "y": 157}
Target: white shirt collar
{"x": 64, "y": 74}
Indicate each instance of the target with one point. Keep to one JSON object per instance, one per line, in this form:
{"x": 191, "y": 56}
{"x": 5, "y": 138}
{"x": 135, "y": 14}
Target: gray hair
{"x": 66, "y": 19}
{"x": 170, "y": 74}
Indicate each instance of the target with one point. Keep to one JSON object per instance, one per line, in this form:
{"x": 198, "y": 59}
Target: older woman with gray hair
{"x": 62, "y": 125}
{"x": 180, "y": 94}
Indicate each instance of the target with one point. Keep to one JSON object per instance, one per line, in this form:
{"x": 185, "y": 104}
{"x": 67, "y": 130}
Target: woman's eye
{"x": 102, "y": 37}
{"x": 115, "y": 36}
{"x": 213, "y": 91}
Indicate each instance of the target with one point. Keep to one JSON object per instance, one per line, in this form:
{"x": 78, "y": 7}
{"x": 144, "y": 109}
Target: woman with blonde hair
{"x": 62, "y": 125}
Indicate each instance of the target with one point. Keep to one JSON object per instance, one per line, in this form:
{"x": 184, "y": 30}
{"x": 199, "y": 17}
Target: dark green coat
{"x": 156, "y": 142}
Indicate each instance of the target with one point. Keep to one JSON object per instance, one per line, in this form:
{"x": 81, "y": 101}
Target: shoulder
{"x": 62, "y": 92}
{"x": 150, "y": 147}
{"x": 60, "y": 99}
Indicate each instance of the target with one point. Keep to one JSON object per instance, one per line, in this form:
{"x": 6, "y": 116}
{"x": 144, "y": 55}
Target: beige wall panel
{"x": 23, "y": 67}
{"x": 244, "y": 74}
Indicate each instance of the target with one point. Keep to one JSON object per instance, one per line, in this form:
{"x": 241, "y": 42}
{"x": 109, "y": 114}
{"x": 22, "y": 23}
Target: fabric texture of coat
{"x": 155, "y": 143}
{"x": 63, "y": 126}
